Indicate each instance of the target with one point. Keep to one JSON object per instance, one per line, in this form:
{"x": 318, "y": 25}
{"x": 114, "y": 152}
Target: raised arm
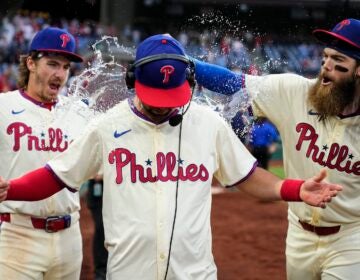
{"x": 217, "y": 78}
{"x": 266, "y": 186}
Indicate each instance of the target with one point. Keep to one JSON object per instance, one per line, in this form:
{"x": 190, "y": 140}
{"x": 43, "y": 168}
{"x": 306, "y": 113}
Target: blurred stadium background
{"x": 254, "y": 36}
{"x": 249, "y": 35}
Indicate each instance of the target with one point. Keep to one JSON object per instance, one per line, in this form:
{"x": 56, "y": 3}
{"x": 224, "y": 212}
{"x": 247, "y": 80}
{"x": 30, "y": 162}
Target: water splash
{"x": 234, "y": 108}
{"x": 218, "y": 35}
{"x": 102, "y": 85}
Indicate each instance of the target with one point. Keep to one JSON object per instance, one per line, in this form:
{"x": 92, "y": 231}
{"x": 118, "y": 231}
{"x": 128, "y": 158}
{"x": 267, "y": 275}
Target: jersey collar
{"x": 46, "y": 105}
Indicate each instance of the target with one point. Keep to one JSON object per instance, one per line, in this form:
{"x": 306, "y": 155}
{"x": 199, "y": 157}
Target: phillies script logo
{"x": 334, "y": 157}
{"x": 166, "y": 168}
{"x": 55, "y": 143}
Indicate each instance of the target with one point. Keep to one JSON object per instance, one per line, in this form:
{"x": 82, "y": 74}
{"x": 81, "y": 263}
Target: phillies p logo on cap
{"x": 344, "y": 37}
{"x": 162, "y": 82}
{"x": 55, "y": 40}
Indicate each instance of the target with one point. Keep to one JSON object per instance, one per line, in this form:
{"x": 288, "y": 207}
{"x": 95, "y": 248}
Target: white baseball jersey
{"x": 310, "y": 145}
{"x": 30, "y": 135}
{"x": 139, "y": 160}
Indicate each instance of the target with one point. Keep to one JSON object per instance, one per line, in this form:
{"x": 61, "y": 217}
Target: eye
{"x": 339, "y": 59}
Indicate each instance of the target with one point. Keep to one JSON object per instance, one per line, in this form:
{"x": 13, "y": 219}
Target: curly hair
{"x": 24, "y": 72}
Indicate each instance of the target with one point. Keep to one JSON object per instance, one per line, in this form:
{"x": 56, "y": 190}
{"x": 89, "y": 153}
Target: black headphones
{"x": 190, "y": 70}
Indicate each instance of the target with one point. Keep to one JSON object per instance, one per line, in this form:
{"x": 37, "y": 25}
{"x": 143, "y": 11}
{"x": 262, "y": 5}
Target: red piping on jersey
{"x": 356, "y": 113}
{"x": 247, "y": 176}
{"x": 47, "y": 105}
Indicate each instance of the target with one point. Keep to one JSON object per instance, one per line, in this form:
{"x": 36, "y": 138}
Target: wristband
{"x": 290, "y": 190}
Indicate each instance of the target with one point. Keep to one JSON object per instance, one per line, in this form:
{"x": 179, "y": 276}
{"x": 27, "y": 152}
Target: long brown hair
{"x": 24, "y": 72}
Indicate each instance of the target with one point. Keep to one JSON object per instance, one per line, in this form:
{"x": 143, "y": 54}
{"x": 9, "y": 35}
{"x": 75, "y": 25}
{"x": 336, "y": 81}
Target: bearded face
{"x": 329, "y": 97}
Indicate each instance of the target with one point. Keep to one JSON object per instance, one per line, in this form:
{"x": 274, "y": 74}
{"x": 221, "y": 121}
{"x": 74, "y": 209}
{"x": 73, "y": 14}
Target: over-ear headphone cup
{"x": 190, "y": 75}
{"x": 191, "y": 80}
{"x": 130, "y": 79}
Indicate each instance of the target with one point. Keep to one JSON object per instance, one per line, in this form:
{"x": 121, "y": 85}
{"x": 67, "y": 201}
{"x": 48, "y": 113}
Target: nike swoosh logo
{"x": 117, "y": 134}
{"x": 312, "y": 113}
{"x": 17, "y": 112}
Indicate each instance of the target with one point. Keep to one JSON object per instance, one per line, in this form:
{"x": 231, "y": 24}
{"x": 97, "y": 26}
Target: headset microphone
{"x": 175, "y": 120}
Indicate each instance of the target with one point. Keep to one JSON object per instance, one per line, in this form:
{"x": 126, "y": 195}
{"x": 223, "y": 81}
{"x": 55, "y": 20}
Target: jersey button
{"x": 162, "y": 256}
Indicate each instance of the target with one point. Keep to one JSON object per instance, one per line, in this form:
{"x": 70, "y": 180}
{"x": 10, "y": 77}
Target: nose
{"x": 327, "y": 64}
{"x": 61, "y": 73}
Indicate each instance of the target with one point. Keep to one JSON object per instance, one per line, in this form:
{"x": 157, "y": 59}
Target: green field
{"x": 277, "y": 170}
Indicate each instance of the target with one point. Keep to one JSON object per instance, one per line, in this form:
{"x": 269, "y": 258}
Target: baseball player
{"x": 159, "y": 153}
{"x": 40, "y": 240}
{"x": 319, "y": 123}
{"x": 262, "y": 141}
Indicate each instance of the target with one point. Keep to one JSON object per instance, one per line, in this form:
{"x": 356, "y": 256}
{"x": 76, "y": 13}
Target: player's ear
{"x": 357, "y": 71}
{"x": 30, "y": 63}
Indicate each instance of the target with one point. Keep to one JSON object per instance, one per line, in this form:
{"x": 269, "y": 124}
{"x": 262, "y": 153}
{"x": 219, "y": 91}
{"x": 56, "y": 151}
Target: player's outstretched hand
{"x": 317, "y": 193}
{"x": 4, "y": 186}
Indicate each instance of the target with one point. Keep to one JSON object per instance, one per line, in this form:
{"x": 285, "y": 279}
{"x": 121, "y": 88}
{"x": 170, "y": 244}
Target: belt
{"x": 49, "y": 224}
{"x": 320, "y": 230}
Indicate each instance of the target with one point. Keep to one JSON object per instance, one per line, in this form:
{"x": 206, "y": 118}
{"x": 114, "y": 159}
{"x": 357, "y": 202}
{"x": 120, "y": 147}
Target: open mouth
{"x": 54, "y": 86}
{"x": 326, "y": 81}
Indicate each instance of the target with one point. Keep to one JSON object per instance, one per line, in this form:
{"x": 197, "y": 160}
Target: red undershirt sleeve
{"x": 35, "y": 185}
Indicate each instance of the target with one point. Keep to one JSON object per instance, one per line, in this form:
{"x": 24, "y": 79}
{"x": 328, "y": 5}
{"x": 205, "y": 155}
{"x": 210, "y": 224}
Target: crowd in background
{"x": 246, "y": 51}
